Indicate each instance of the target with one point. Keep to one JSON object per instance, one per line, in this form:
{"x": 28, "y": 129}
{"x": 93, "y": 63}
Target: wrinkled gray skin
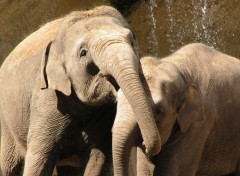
{"x": 56, "y": 83}
{"x": 195, "y": 99}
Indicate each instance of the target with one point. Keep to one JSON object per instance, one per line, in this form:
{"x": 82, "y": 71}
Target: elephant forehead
{"x": 155, "y": 91}
{"x": 158, "y": 85}
{"x": 91, "y": 31}
{"x": 156, "y": 97}
{"x": 96, "y": 23}
{"x": 158, "y": 79}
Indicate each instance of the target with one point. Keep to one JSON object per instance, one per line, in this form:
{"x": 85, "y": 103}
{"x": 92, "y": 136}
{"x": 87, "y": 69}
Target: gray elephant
{"x": 62, "y": 78}
{"x": 195, "y": 96}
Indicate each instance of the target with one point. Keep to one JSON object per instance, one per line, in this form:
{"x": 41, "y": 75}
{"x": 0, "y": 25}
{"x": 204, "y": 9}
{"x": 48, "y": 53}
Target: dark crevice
{"x": 124, "y": 6}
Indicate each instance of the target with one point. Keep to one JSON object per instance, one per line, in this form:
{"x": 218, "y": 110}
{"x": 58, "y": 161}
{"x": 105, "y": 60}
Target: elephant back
{"x": 36, "y": 42}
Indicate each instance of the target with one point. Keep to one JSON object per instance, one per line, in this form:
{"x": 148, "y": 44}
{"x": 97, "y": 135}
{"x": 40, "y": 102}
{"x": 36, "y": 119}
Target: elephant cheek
{"x": 104, "y": 93}
{"x": 99, "y": 92}
{"x": 166, "y": 127}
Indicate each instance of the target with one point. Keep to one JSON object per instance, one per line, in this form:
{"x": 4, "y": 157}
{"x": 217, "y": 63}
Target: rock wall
{"x": 161, "y": 26}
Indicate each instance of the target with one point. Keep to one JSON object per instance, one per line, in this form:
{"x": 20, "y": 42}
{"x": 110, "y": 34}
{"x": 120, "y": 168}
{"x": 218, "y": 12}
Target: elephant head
{"x": 175, "y": 103}
{"x": 93, "y": 53}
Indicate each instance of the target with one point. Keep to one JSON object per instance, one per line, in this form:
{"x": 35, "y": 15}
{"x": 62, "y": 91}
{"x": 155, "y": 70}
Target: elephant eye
{"x": 83, "y": 52}
{"x": 159, "y": 111}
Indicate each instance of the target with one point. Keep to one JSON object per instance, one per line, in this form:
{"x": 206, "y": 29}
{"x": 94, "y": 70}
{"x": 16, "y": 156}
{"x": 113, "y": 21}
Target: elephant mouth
{"x": 112, "y": 81}
{"x": 173, "y": 136}
{"x": 93, "y": 70}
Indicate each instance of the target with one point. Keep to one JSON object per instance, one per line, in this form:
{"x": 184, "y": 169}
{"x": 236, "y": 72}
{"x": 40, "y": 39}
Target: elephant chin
{"x": 98, "y": 92}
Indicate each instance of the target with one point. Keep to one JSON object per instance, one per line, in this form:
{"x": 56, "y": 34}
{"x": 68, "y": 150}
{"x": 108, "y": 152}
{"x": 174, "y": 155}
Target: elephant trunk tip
{"x": 152, "y": 150}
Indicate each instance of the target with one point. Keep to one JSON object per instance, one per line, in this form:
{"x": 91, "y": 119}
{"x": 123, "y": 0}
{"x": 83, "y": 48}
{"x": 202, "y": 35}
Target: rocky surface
{"x": 161, "y": 26}
{"x": 170, "y": 24}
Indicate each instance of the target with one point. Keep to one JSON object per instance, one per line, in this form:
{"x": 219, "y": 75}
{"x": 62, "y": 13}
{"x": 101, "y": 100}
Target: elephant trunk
{"x": 123, "y": 66}
{"x": 125, "y": 132}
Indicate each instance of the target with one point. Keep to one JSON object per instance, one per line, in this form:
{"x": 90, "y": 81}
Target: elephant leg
{"x": 47, "y": 129}
{"x": 42, "y": 153}
{"x": 44, "y": 137}
{"x": 92, "y": 164}
{"x": 11, "y": 161}
{"x": 39, "y": 161}
{"x": 144, "y": 165}
{"x": 95, "y": 163}
{"x": 42, "y": 149}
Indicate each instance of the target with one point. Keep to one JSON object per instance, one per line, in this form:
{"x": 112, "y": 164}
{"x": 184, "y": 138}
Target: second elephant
{"x": 195, "y": 96}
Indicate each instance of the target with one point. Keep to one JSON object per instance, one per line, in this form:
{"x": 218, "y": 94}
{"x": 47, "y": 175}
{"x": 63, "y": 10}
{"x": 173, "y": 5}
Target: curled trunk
{"x": 124, "y": 68}
{"x": 123, "y": 138}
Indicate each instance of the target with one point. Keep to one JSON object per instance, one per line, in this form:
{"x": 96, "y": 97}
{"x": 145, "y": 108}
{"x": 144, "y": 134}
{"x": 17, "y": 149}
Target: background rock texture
{"x": 161, "y": 26}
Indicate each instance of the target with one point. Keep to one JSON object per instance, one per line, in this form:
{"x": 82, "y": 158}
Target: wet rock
{"x": 161, "y": 26}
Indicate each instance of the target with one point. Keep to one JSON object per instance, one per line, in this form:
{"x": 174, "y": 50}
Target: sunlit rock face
{"x": 161, "y": 26}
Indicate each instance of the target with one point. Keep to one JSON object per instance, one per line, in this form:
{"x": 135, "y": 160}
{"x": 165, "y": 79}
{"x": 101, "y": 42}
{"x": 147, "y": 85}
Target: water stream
{"x": 171, "y": 25}
{"x": 152, "y": 38}
{"x": 204, "y": 21}
{"x": 187, "y": 22}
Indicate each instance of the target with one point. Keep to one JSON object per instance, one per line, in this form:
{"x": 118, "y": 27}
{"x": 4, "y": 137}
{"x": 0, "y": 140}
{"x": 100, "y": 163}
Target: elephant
{"x": 60, "y": 79}
{"x": 195, "y": 97}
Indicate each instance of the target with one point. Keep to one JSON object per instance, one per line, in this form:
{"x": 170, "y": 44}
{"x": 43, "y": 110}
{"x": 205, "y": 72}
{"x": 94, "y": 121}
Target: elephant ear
{"x": 191, "y": 109}
{"x": 53, "y": 73}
